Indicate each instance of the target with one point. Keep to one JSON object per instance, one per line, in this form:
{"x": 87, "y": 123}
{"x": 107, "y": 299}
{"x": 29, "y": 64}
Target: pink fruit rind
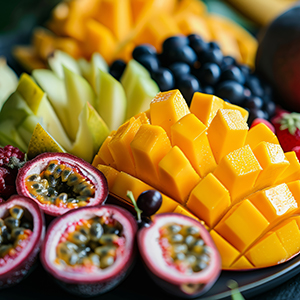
{"x": 15, "y": 269}
{"x": 164, "y": 275}
{"x": 101, "y": 280}
{"x": 36, "y": 165}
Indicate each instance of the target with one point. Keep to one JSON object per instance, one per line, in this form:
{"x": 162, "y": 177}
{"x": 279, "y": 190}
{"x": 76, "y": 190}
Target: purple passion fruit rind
{"x": 82, "y": 277}
{"x": 58, "y": 182}
{"x": 15, "y": 264}
{"x": 176, "y": 261}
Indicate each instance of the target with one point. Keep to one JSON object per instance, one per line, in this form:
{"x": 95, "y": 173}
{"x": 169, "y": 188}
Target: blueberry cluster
{"x": 190, "y": 64}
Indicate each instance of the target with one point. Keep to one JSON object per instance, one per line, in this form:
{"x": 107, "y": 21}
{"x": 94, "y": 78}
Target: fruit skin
{"x": 90, "y": 284}
{"x": 287, "y": 129}
{"x": 171, "y": 281}
{"x": 278, "y": 54}
{"x": 37, "y": 164}
{"x": 14, "y": 271}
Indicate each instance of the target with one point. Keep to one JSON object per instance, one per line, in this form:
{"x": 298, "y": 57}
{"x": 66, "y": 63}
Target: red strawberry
{"x": 297, "y": 151}
{"x": 287, "y": 129}
{"x": 264, "y": 121}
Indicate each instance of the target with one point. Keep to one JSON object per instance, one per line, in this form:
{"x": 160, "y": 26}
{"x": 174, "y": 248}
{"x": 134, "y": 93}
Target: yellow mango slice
{"x": 228, "y": 253}
{"x": 143, "y": 117}
{"x": 292, "y": 172}
{"x": 242, "y": 263}
{"x": 181, "y": 210}
{"x": 166, "y": 108}
{"x": 189, "y": 134}
{"x": 274, "y": 202}
{"x": 272, "y": 159}
{"x": 238, "y": 172}
{"x": 110, "y": 174}
{"x": 116, "y": 16}
{"x": 209, "y": 200}
{"x": 268, "y": 251}
{"x": 119, "y": 145}
{"x": 243, "y": 111}
{"x": 176, "y": 175}
{"x": 260, "y": 133}
{"x": 205, "y": 107}
{"x": 242, "y": 225}
{"x": 227, "y": 132}
{"x": 168, "y": 205}
{"x": 148, "y": 147}
{"x": 294, "y": 187}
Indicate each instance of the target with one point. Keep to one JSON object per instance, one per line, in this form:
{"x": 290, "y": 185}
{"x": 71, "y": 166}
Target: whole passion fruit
{"x": 90, "y": 250}
{"x": 179, "y": 254}
{"x": 58, "y": 182}
{"x": 22, "y": 229}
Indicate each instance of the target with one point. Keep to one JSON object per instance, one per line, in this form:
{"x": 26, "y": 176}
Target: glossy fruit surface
{"x": 22, "y": 232}
{"x": 149, "y": 202}
{"x": 58, "y": 182}
{"x": 184, "y": 273}
{"x": 84, "y": 275}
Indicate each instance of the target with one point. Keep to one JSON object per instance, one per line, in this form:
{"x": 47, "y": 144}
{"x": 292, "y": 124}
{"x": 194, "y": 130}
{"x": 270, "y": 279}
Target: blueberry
{"x": 208, "y": 90}
{"x": 209, "y": 73}
{"x": 174, "y": 42}
{"x": 188, "y": 85}
{"x": 143, "y": 49}
{"x": 180, "y": 69}
{"x": 211, "y": 55}
{"x": 270, "y": 107}
{"x": 233, "y": 73}
{"x": 227, "y": 61}
{"x": 256, "y": 113}
{"x": 213, "y": 45}
{"x": 245, "y": 70}
{"x": 199, "y": 46}
{"x": 183, "y": 54}
{"x": 117, "y": 68}
{"x": 150, "y": 62}
{"x": 194, "y": 37}
{"x": 254, "y": 102}
{"x": 254, "y": 84}
{"x": 231, "y": 90}
{"x": 164, "y": 79}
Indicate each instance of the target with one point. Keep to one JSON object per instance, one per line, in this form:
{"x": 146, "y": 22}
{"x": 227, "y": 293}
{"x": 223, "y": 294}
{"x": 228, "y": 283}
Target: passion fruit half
{"x": 58, "y": 182}
{"x": 90, "y": 250}
{"x": 22, "y": 230}
{"x": 179, "y": 254}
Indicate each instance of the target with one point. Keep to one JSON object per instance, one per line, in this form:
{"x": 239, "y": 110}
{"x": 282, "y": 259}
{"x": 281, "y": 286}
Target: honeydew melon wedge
{"x": 97, "y": 63}
{"x": 139, "y": 88}
{"x": 61, "y": 59}
{"x": 26, "y": 128}
{"x": 111, "y": 100}
{"x": 49, "y": 144}
{"x": 92, "y": 131}
{"x": 38, "y": 102}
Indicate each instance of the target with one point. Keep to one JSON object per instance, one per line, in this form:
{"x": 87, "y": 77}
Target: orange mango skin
{"x": 249, "y": 201}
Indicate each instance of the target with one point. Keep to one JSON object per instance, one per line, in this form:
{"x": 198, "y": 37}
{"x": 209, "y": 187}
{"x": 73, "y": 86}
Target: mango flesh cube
{"x": 242, "y": 263}
{"x": 149, "y": 146}
{"x": 267, "y": 252}
{"x": 243, "y": 111}
{"x": 275, "y": 202}
{"x": 289, "y": 235}
{"x": 292, "y": 172}
{"x": 104, "y": 153}
{"x": 272, "y": 159}
{"x": 205, "y": 107}
{"x": 209, "y": 200}
{"x": 294, "y": 187}
{"x": 176, "y": 175}
{"x": 227, "y": 132}
{"x": 168, "y": 205}
{"x": 242, "y": 225}
{"x": 228, "y": 253}
{"x": 166, "y": 108}
{"x": 260, "y": 133}
{"x": 238, "y": 171}
{"x": 189, "y": 134}
{"x": 115, "y": 15}
{"x": 119, "y": 145}
{"x": 109, "y": 173}
{"x": 181, "y": 210}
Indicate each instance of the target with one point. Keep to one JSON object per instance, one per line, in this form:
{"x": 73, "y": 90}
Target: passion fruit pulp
{"x": 22, "y": 230}
{"x": 179, "y": 254}
{"x": 58, "y": 182}
{"x": 90, "y": 250}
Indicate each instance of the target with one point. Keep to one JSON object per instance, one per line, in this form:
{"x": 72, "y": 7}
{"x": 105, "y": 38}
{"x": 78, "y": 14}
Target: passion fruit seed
{"x": 184, "y": 247}
{"x": 60, "y": 185}
{"x": 12, "y": 233}
{"x": 93, "y": 244}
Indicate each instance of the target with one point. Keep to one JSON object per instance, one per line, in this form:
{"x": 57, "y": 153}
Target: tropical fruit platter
{"x": 151, "y": 149}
